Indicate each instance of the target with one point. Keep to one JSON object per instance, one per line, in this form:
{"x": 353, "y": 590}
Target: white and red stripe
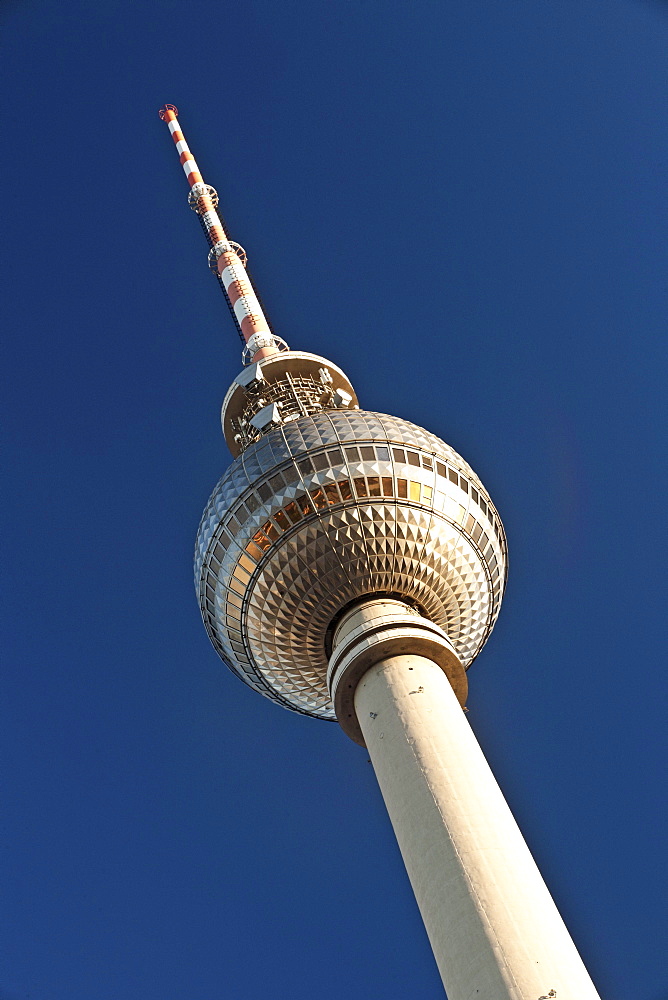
{"x": 243, "y": 300}
{"x": 170, "y": 115}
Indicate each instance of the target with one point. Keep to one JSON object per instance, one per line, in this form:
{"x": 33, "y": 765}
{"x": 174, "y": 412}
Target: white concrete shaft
{"x": 493, "y": 926}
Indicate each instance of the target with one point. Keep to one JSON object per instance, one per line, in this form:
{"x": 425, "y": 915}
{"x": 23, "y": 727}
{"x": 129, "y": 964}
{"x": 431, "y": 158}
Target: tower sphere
{"x": 324, "y": 509}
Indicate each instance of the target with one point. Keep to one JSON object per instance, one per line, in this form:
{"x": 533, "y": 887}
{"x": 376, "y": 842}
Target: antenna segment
{"x": 227, "y": 259}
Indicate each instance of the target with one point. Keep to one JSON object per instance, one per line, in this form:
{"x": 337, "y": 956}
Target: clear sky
{"x": 463, "y": 205}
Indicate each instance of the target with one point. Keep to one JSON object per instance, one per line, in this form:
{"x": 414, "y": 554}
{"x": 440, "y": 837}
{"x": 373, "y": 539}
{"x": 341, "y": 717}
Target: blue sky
{"x": 462, "y": 205}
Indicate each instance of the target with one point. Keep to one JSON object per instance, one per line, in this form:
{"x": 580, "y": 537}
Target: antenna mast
{"x": 227, "y": 259}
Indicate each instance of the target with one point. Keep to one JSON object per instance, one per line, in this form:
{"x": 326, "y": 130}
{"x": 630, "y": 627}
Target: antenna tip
{"x": 164, "y": 111}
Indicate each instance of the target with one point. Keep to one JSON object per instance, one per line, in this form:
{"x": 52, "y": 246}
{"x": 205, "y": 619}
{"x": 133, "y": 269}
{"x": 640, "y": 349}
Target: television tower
{"x": 350, "y": 565}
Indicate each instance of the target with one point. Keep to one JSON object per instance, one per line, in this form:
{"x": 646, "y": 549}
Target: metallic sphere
{"x": 326, "y": 509}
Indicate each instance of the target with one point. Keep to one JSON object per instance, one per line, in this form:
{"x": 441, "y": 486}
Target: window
{"x": 374, "y": 486}
{"x": 352, "y": 454}
{"x": 320, "y": 461}
{"x": 319, "y": 499}
{"x": 282, "y": 520}
{"x": 382, "y": 453}
{"x": 331, "y": 493}
{"x": 415, "y": 492}
{"x": 399, "y": 455}
{"x": 388, "y": 488}
{"x": 254, "y": 550}
{"x": 247, "y": 563}
{"x": 261, "y": 541}
{"x": 304, "y": 504}
{"x": 368, "y": 454}
{"x": 402, "y": 489}
{"x": 360, "y": 486}
{"x": 269, "y": 529}
{"x": 266, "y": 535}
{"x": 335, "y": 456}
{"x": 293, "y": 512}
{"x": 241, "y": 574}
{"x": 346, "y": 492}
{"x": 413, "y": 458}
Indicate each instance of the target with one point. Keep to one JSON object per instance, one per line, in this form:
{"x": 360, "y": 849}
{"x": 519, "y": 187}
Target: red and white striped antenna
{"x": 227, "y": 259}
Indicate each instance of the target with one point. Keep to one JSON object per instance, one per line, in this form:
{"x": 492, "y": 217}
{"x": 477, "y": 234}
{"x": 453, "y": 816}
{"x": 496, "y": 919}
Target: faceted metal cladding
{"x": 323, "y": 510}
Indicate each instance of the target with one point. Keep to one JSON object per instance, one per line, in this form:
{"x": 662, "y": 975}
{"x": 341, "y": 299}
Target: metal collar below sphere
{"x": 377, "y": 630}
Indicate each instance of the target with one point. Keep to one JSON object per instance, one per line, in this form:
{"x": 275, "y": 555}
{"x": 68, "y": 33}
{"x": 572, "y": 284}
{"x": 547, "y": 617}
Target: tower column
{"x": 493, "y": 926}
